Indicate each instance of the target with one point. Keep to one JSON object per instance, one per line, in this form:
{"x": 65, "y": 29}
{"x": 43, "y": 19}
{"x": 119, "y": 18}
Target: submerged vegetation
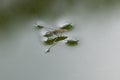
{"x": 57, "y": 35}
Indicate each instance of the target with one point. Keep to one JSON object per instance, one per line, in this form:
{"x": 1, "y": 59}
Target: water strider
{"x": 56, "y": 35}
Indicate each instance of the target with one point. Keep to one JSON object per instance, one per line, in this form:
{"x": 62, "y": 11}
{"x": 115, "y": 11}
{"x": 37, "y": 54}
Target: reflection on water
{"x": 22, "y": 55}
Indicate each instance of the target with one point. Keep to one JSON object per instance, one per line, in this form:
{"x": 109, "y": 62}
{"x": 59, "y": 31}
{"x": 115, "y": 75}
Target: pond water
{"x": 22, "y": 54}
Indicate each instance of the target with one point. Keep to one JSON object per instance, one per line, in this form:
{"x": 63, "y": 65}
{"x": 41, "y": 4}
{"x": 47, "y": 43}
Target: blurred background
{"x": 97, "y": 26}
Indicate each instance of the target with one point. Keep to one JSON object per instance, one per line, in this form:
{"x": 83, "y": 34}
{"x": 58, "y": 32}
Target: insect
{"x": 57, "y": 32}
{"x": 56, "y": 35}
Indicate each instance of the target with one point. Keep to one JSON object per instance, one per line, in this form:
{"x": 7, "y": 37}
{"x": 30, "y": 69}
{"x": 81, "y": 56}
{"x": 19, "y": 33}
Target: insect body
{"x": 57, "y": 32}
